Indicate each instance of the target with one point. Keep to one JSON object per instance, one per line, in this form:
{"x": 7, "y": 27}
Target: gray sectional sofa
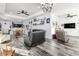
{"x": 35, "y": 37}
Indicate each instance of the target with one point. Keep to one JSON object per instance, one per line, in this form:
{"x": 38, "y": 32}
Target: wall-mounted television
{"x": 17, "y": 25}
{"x": 69, "y": 25}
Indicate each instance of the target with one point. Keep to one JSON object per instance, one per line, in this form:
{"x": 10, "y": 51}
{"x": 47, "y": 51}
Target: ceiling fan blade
{"x": 23, "y": 12}
{"x": 27, "y": 14}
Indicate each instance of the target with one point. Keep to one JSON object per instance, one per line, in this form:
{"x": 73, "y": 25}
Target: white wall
{"x": 25, "y": 29}
{"x": 64, "y": 8}
{"x": 45, "y": 26}
{"x": 5, "y": 27}
{"x": 53, "y": 20}
{"x": 61, "y": 10}
{"x": 72, "y": 32}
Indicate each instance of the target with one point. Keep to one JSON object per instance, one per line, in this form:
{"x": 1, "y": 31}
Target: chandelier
{"x": 47, "y": 7}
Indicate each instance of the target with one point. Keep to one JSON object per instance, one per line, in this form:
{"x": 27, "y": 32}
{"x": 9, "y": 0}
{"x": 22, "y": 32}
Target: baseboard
{"x": 73, "y": 36}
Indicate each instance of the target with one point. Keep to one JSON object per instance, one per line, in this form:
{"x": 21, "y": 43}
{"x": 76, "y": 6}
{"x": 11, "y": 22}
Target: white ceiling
{"x": 31, "y": 8}
{"x": 59, "y": 8}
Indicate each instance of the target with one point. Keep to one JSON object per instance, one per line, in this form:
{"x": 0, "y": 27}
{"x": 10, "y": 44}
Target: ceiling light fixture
{"x": 47, "y": 7}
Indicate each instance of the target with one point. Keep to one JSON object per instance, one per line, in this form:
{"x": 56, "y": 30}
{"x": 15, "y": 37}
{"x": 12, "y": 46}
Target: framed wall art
{"x": 48, "y": 20}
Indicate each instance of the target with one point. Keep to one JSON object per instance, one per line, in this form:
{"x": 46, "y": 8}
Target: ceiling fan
{"x": 23, "y": 12}
{"x": 69, "y": 15}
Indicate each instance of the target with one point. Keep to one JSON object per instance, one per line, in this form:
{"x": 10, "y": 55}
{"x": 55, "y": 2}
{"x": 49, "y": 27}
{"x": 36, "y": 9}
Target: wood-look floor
{"x": 49, "y": 48}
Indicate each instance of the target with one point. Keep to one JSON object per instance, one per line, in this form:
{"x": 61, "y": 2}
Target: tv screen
{"x": 18, "y": 25}
{"x": 69, "y": 25}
